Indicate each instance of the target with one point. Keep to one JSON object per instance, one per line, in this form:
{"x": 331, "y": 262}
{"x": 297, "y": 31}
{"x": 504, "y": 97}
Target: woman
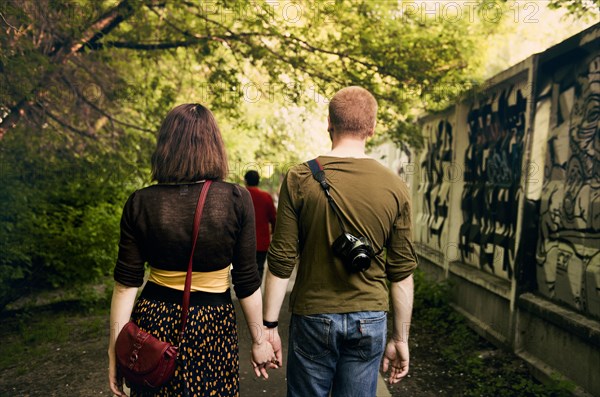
{"x": 156, "y": 227}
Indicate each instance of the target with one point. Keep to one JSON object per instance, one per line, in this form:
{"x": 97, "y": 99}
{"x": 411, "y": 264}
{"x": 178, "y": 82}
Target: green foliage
{"x": 484, "y": 370}
{"x": 430, "y": 294}
{"x": 61, "y": 209}
{"x": 77, "y": 123}
{"x": 579, "y": 8}
{"x": 33, "y": 335}
{"x": 403, "y": 57}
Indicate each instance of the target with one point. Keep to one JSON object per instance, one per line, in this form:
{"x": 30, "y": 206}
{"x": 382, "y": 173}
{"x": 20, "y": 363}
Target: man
{"x": 338, "y": 325}
{"x": 264, "y": 216}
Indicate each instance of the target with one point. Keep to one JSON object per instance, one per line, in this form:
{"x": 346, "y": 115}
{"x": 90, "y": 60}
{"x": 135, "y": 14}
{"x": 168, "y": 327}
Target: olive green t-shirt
{"x": 374, "y": 203}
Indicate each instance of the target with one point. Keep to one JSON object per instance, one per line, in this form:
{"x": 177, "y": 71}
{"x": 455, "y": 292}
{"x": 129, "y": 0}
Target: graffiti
{"x": 496, "y": 128}
{"x": 434, "y": 188}
{"x": 558, "y": 238}
{"x": 568, "y": 252}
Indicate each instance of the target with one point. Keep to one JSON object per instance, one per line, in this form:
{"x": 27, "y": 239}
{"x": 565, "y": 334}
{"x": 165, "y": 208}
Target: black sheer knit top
{"x": 156, "y": 227}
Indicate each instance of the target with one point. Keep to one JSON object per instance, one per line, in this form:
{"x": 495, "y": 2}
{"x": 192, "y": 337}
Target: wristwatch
{"x": 270, "y": 324}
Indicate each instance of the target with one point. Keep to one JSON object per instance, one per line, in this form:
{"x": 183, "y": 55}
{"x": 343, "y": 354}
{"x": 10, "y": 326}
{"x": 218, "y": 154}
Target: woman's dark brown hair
{"x": 189, "y": 147}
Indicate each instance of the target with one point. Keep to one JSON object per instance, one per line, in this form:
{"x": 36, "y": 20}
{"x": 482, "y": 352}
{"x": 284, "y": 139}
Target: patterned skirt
{"x": 208, "y": 363}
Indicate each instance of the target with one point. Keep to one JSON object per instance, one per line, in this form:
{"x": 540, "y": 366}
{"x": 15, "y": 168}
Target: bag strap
{"x": 319, "y": 174}
{"x": 188, "y": 277}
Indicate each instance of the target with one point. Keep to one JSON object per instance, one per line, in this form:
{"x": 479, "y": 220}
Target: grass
{"x": 482, "y": 369}
{"x": 34, "y": 333}
{"x": 469, "y": 365}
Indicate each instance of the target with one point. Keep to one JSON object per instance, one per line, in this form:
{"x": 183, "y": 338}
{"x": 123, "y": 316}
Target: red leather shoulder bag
{"x": 142, "y": 359}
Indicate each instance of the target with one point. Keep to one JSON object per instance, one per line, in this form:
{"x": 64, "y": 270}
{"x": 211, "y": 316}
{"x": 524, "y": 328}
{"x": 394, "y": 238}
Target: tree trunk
{"x": 63, "y": 51}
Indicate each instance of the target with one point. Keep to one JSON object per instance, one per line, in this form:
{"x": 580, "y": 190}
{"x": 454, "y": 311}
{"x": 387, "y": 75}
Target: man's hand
{"x": 396, "y": 354}
{"x": 275, "y": 340}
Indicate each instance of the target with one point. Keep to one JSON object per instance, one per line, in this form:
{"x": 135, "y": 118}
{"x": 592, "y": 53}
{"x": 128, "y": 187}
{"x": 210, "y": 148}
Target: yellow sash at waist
{"x": 217, "y": 281}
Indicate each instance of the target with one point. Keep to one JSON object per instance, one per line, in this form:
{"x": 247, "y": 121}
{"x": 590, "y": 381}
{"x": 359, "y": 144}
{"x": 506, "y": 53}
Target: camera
{"x": 355, "y": 252}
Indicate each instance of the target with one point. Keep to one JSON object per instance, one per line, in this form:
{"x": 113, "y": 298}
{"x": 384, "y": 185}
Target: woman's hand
{"x": 120, "y": 311}
{"x": 263, "y": 358}
{"x": 115, "y": 382}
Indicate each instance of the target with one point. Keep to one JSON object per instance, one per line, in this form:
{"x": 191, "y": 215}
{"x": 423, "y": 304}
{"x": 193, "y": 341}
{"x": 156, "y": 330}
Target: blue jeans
{"x": 337, "y": 353}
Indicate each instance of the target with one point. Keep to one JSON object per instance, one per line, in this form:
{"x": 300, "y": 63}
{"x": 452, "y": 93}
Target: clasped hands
{"x": 266, "y": 352}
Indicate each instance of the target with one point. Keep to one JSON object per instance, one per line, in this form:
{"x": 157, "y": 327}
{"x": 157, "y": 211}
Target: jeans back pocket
{"x": 372, "y": 339}
{"x": 311, "y": 336}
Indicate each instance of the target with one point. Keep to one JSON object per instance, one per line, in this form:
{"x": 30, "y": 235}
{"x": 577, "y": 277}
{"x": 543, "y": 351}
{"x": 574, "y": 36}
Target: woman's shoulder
{"x": 231, "y": 194}
{"x": 222, "y": 187}
{"x": 150, "y": 190}
{"x": 226, "y": 186}
{"x": 238, "y": 192}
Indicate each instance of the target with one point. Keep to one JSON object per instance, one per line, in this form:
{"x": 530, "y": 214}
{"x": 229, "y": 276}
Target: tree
{"x": 580, "y": 8}
{"x": 84, "y": 85}
{"x": 60, "y": 49}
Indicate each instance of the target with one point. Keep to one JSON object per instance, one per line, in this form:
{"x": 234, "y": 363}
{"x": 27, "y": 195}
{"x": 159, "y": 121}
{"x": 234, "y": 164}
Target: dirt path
{"x": 74, "y": 362}
{"x": 61, "y": 354}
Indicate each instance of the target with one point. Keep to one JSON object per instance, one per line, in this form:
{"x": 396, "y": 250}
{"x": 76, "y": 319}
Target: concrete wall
{"x": 568, "y": 252}
{"x": 506, "y": 202}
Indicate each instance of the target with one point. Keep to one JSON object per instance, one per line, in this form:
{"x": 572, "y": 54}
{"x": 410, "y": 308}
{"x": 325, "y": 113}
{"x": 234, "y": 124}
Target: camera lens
{"x": 361, "y": 261}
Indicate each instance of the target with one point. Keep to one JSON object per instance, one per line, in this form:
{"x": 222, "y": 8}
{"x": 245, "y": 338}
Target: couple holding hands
{"x": 343, "y": 220}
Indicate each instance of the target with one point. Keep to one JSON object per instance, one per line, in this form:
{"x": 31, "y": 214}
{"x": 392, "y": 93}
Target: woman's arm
{"x": 262, "y": 351}
{"x": 121, "y": 307}
{"x": 247, "y": 285}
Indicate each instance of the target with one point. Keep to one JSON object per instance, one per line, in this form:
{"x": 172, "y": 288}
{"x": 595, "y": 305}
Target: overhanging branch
{"x": 155, "y": 46}
{"x": 68, "y": 126}
{"x": 108, "y": 116}
{"x": 64, "y": 50}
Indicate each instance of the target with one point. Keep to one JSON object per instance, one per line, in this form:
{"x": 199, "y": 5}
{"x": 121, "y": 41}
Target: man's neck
{"x": 348, "y": 147}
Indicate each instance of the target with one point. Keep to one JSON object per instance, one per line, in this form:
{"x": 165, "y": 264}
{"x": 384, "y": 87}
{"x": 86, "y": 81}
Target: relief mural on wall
{"x": 568, "y": 253}
{"x": 434, "y": 187}
{"x": 492, "y": 172}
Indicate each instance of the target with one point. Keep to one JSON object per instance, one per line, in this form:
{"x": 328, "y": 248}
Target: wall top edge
{"x": 586, "y": 328}
{"x": 429, "y": 116}
{"x": 509, "y": 77}
{"x": 521, "y": 69}
{"x": 588, "y": 37}
{"x": 580, "y": 39}
{"x": 429, "y": 253}
{"x": 482, "y": 279}
{"x": 515, "y": 72}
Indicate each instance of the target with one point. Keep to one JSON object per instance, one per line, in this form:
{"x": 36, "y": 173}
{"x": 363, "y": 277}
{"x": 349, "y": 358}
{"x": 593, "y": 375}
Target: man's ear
{"x": 372, "y": 130}
{"x": 329, "y": 126}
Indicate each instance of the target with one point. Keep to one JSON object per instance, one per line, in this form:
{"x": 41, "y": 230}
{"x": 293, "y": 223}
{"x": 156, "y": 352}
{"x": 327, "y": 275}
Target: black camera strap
{"x": 319, "y": 174}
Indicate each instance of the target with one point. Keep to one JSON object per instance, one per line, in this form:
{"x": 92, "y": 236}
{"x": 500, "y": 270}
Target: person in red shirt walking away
{"x": 264, "y": 215}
